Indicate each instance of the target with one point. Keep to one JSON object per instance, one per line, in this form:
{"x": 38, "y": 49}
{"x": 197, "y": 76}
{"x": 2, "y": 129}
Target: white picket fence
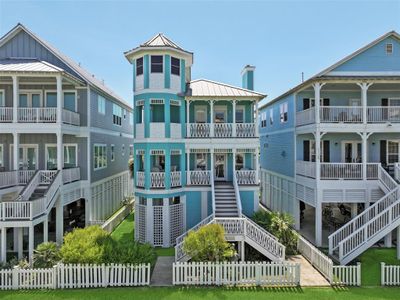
{"x": 75, "y": 276}
{"x": 347, "y": 275}
{"x": 236, "y": 273}
{"x": 390, "y": 274}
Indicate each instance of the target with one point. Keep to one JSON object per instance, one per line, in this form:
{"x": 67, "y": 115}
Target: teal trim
{"x": 167, "y": 71}
{"x": 146, "y": 120}
{"x": 183, "y": 76}
{"x": 134, "y": 76}
{"x": 146, "y": 71}
{"x": 183, "y": 118}
{"x": 183, "y": 168}
{"x": 147, "y": 166}
{"x": 250, "y": 80}
{"x": 164, "y": 195}
{"x": 168, "y": 169}
{"x": 167, "y": 117}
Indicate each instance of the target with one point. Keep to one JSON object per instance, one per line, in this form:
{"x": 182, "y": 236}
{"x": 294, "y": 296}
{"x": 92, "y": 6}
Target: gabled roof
{"x": 209, "y": 88}
{"x": 325, "y": 73}
{"x": 160, "y": 40}
{"x": 27, "y": 65}
{"x": 86, "y": 76}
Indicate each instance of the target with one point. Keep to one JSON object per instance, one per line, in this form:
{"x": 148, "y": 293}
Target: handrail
{"x": 212, "y": 191}
{"x": 27, "y": 188}
{"x": 397, "y": 171}
{"x": 237, "y": 194}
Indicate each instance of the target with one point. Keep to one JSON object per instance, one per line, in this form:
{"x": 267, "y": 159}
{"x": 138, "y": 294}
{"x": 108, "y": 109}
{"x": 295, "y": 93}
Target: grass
{"x": 178, "y": 293}
{"x": 125, "y": 232}
{"x": 371, "y": 264}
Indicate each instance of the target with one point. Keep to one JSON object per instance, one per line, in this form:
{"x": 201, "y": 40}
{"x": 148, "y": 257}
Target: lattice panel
{"x": 140, "y": 103}
{"x": 157, "y": 101}
{"x": 158, "y": 225}
{"x": 176, "y": 152}
{"x": 140, "y": 226}
{"x": 176, "y": 221}
{"x": 199, "y": 150}
{"x": 157, "y": 152}
{"x": 175, "y": 102}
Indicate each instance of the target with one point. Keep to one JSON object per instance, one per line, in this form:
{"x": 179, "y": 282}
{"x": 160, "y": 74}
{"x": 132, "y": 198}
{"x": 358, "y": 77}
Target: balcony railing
{"x": 341, "y": 114}
{"x": 140, "y": 179}
{"x": 245, "y": 130}
{"x": 305, "y": 168}
{"x": 37, "y": 114}
{"x": 175, "y": 178}
{"x": 70, "y": 117}
{"x": 199, "y": 130}
{"x": 383, "y": 114}
{"x": 157, "y": 179}
{"x": 6, "y": 114}
{"x": 13, "y": 178}
{"x": 199, "y": 177}
{"x": 246, "y": 177}
{"x": 222, "y": 130}
{"x": 305, "y": 117}
{"x": 71, "y": 175}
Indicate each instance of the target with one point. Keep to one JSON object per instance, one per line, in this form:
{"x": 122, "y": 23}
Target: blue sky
{"x": 281, "y": 38}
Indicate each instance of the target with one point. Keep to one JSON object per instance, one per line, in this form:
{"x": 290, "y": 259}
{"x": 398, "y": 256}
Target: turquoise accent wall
{"x": 193, "y": 208}
{"x": 134, "y": 75}
{"x": 247, "y": 198}
{"x": 167, "y": 118}
{"x": 248, "y": 80}
{"x": 146, "y": 71}
{"x": 167, "y": 71}
{"x": 183, "y": 76}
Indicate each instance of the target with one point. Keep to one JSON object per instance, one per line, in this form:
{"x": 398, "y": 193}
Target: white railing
{"x": 157, "y": 179}
{"x": 37, "y": 114}
{"x": 199, "y": 177}
{"x": 30, "y": 187}
{"x": 16, "y": 210}
{"x": 386, "y": 180}
{"x": 246, "y": 177}
{"x": 397, "y": 171}
{"x": 373, "y": 170}
{"x": 70, "y": 117}
{"x": 236, "y": 273}
{"x": 305, "y": 168}
{"x": 237, "y": 193}
{"x": 46, "y": 177}
{"x": 353, "y": 171}
{"x": 347, "y": 275}
{"x": 52, "y": 190}
{"x": 245, "y": 130}
{"x": 175, "y": 179}
{"x": 6, "y": 114}
{"x": 317, "y": 258}
{"x": 75, "y": 276}
{"x": 24, "y": 176}
{"x": 8, "y": 178}
{"x": 341, "y": 114}
{"x": 140, "y": 179}
{"x": 383, "y": 114}
{"x": 223, "y": 130}
{"x": 199, "y": 130}
{"x": 390, "y": 274}
{"x": 72, "y": 174}
{"x": 305, "y": 117}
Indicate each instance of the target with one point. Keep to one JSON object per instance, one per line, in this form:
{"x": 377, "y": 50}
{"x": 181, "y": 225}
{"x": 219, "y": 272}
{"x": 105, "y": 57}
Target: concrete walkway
{"x": 308, "y": 275}
{"x": 162, "y": 273}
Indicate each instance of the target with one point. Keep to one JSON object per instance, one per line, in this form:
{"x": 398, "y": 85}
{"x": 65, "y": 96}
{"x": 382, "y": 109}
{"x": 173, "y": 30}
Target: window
{"x": 123, "y": 149}
{"x": 175, "y": 66}
{"x": 283, "y": 108}
{"x": 157, "y": 112}
{"x": 139, "y": 114}
{"x": 1, "y": 156}
{"x": 158, "y": 201}
{"x": 393, "y": 152}
{"x": 124, "y": 113}
{"x": 389, "y": 48}
{"x": 30, "y": 99}
{"x": 239, "y": 114}
{"x": 130, "y": 118}
{"x": 70, "y": 154}
{"x": 174, "y": 200}
{"x": 112, "y": 152}
{"x": 312, "y": 151}
{"x": 220, "y": 114}
{"x": 156, "y": 64}
{"x": 139, "y": 66}
{"x": 271, "y": 116}
{"x": 2, "y": 99}
{"x": 70, "y": 101}
{"x": 51, "y": 157}
{"x": 101, "y": 105}
{"x": 117, "y": 115}
{"x": 200, "y": 114}
{"x": 100, "y": 156}
{"x": 142, "y": 201}
{"x": 264, "y": 119}
{"x": 51, "y": 99}
{"x": 175, "y": 114}
{"x": 239, "y": 161}
{"x": 130, "y": 151}
{"x": 201, "y": 161}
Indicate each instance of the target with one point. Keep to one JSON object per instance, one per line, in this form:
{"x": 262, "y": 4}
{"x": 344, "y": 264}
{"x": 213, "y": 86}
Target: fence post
{"x": 54, "y": 274}
{"x": 382, "y": 273}
{"x": 104, "y": 275}
{"x": 15, "y": 282}
{"x": 173, "y": 273}
{"x": 358, "y": 274}
{"x": 217, "y": 273}
{"x": 258, "y": 273}
{"x": 297, "y": 266}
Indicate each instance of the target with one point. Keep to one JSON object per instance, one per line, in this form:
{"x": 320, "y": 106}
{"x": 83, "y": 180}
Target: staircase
{"x": 225, "y": 200}
{"x": 370, "y": 226}
{"x": 227, "y": 211}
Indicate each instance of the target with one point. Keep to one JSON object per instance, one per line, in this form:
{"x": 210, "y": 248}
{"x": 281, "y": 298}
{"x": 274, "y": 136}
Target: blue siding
{"x": 193, "y": 208}
{"x": 247, "y": 198}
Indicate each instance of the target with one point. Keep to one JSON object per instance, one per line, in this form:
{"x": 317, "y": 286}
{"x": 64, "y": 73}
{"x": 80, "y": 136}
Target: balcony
{"x": 222, "y": 130}
{"x": 38, "y": 115}
{"x": 157, "y": 179}
{"x": 246, "y": 177}
{"x": 199, "y": 177}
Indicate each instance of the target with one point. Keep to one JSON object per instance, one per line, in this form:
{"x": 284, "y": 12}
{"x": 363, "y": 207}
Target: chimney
{"x": 248, "y": 77}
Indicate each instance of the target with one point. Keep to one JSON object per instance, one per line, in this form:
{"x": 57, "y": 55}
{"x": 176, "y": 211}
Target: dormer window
{"x": 139, "y": 66}
{"x": 389, "y": 48}
{"x": 156, "y": 64}
{"x": 175, "y": 66}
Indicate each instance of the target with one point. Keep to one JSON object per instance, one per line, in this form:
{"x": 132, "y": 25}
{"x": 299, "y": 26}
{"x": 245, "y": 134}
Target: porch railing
{"x": 341, "y": 170}
{"x": 199, "y": 130}
{"x": 6, "y": 114}
{"x": 157, "y": 179}
{"x": 223, "y": 130}
{"x": 37, "y": 114}
{"x": 140, "y": 179}
{"x": 199, "y": 177}
{"x": 70, "y": 175}
{"x": 175, "y": 179}
{"x": 341, "y": 114}
{"x": 383, "y": 114}
{"x": 246, "y": 177}
{"x": 305, "y": 168}
{"x": 245, "y": 130}
{"x": 305, "y": 117}
{"x": 70, "y": 117}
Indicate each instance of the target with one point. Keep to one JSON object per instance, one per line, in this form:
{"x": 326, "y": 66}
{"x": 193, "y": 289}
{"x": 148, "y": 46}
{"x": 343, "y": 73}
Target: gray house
{"x": 65, "y": 143}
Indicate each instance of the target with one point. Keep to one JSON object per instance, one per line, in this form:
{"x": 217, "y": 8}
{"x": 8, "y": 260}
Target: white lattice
{"x": 176, "y": 221}
{"x": 176, "y": 152}
{"x": 157, "y": 179}
{"x": 140, "y": 179}
{"x": 157, "y": 152}
{"x": 245, "y": 130}
{"x": 199, "y": 150}
{"x": 199, "y": 177}
{"x": 175, "y": 179}
{"x": 158, "y": 239}
{"x": 175, "y": 102}
{"x": 140, "y": 226}
{"x": 223, "y": 130}
{"x": 246, "y": 176}
{"x": 199, "y": 130}
{"x": 157, "y": 101}
{"x": 140, "y": 103}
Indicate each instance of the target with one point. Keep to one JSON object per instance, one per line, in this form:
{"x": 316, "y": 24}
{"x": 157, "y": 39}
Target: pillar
{"x": 30, "y": 244}
{"x": 187, "y": 166}
{"x": 354, "y": 212}
{"x": 60, "y": 151}
{"x": 388, "y": 240}
{"x": 46, "y": 229}
{"x": 364, "y": 89}
{"x": 15, "y": 98}
{"x": 257, "y": 165}
{"x": 318, "y": 223}
{"x": 242, "y": 254}
{"x": 317, "y": 96}
{"x": 317, "y": 155}
{"x": 188, "y": 118}
{"x": 212, "y": 167}
{"x": 59, "y": 98}
{"x": 233, "y": 160}
{"x": 234, "y": 118}
{"x": 59, "y": 222}
{"x": 256, "y": 120}
{"x": 166, "y": 223}
{"x": 364, "y": 138}
{"x": 212, "y": 118}
{"x": 4, "y": 244}
{"x": 18, "y": 241}
{"x": 167, "y": 169}
{"x": 16, "y": 151}
{"x": 398, "y": 241}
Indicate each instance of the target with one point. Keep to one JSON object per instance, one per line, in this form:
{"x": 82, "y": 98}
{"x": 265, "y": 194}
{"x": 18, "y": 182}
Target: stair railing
{"x": 30, "y": 187}
{"x": 212, "y": 191}
{"x": 237, "y": 193}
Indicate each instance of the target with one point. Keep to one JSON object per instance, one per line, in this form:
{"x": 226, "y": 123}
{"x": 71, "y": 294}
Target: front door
{"x": 352, "y": 152}
{"x": 220, "y": 167}
{"x": 28, "y": 157}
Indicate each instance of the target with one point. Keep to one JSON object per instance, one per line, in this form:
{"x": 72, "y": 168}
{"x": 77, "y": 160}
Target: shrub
{"x": 131, "y": 165}
{"x": 46, "y": 255}
{"x": 84, "y": 245}
{"x": 208, "y": 244}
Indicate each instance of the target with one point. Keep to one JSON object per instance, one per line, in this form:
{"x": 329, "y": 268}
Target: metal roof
{"x": 27, "y": 65}
{"x": 209, "y": 88}
{"x": 87, "y": 76}
{"x": 160, "y": 40}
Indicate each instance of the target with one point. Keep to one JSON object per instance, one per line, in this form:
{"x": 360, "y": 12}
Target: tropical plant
{"x": 46, "y": 255}
{"x": 208, "y": 244}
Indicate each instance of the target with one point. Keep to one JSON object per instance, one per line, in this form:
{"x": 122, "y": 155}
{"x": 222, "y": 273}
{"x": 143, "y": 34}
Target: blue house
{"x": 330, "y": 149}
{"x": 196, "y": 144}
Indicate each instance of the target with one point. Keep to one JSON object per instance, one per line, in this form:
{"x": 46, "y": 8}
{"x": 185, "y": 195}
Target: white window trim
{"x": 283, "y": 109}
{"x": 243, "y": 159}
{"x": 3, "y": 91}
{"x": 241, "y": 107}
{"x": 162, "y": 64}
{"x": 206, "y": 159}
{"x": 112, "y": 150}
{"x": 2, "y": 155}
{"x": 103, "y": 167}
{"x": 271, "y": 116}
{"x": 343, "y": 152}
{"x": 223, "y": 109}
{"x": 198, "y": 108}
{"x": 180, "y": 63}
{"x": 315, "y": 154}
{"x": 387, "y": 150}
{"x": 123, "y": 149}
{"x": 386, "y": 48}
{"x": 64, "y": 145}
{"x": 44, "y": 102}
{"x": 36, "y": 146}
{"x": 29, "y": 93}
{"x": 105, "y": 104}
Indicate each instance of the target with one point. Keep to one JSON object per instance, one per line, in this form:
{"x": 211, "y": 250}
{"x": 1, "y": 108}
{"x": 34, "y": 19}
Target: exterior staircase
{"x": 370, "y": 226}
{"x": 225, "y": 200}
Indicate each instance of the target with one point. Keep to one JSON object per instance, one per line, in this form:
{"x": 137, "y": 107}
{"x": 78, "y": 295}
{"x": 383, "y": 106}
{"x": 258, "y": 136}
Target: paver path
{"x": 308, "y": 275}
{"x": 162, "y": 273}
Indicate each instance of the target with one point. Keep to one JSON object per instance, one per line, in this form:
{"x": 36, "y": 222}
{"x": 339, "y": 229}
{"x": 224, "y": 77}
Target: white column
{"x": 30, "y": 244}
{"x": 318, "y": 223}
{"x": 234, "y": 118}
{"x": 166, "y": 222}
{"x": 212, "y": 162}
{"x": 234, "y": 160}
{"x": 242, "y": 254}
{"x": 59, "y": 98}
{"x": 188, "y": 166}
{"x": 59, "y": 222}
{"x": 388, "y": 240}
{"x": 46, "y": 230}
{"x": 16, "y": 151}
{"x": 4, "y": 244}
{"x": 364, "y": 138}
{"x": 257, "y": 166}
{"x": 15, "y": 98}
{"x": 212, "y": 118}
{"x": 364, "y": 88}
{"x": 20, "y": 237}
{"x": 398, "y": 242}
{"x": 60, "y": 151}
{"x": 317, "y": 96}
{"x": 354, "y": 207}
{"x": 256, "y": 120}
{"x": 318, "y": 155}
{"x": 188, "y": 118}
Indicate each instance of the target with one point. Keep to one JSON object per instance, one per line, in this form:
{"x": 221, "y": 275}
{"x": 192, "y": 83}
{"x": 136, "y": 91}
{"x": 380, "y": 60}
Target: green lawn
{"x": 371, "y": 264}
{"x": 125, "y": 231}
{"x": 209, "y": 293}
